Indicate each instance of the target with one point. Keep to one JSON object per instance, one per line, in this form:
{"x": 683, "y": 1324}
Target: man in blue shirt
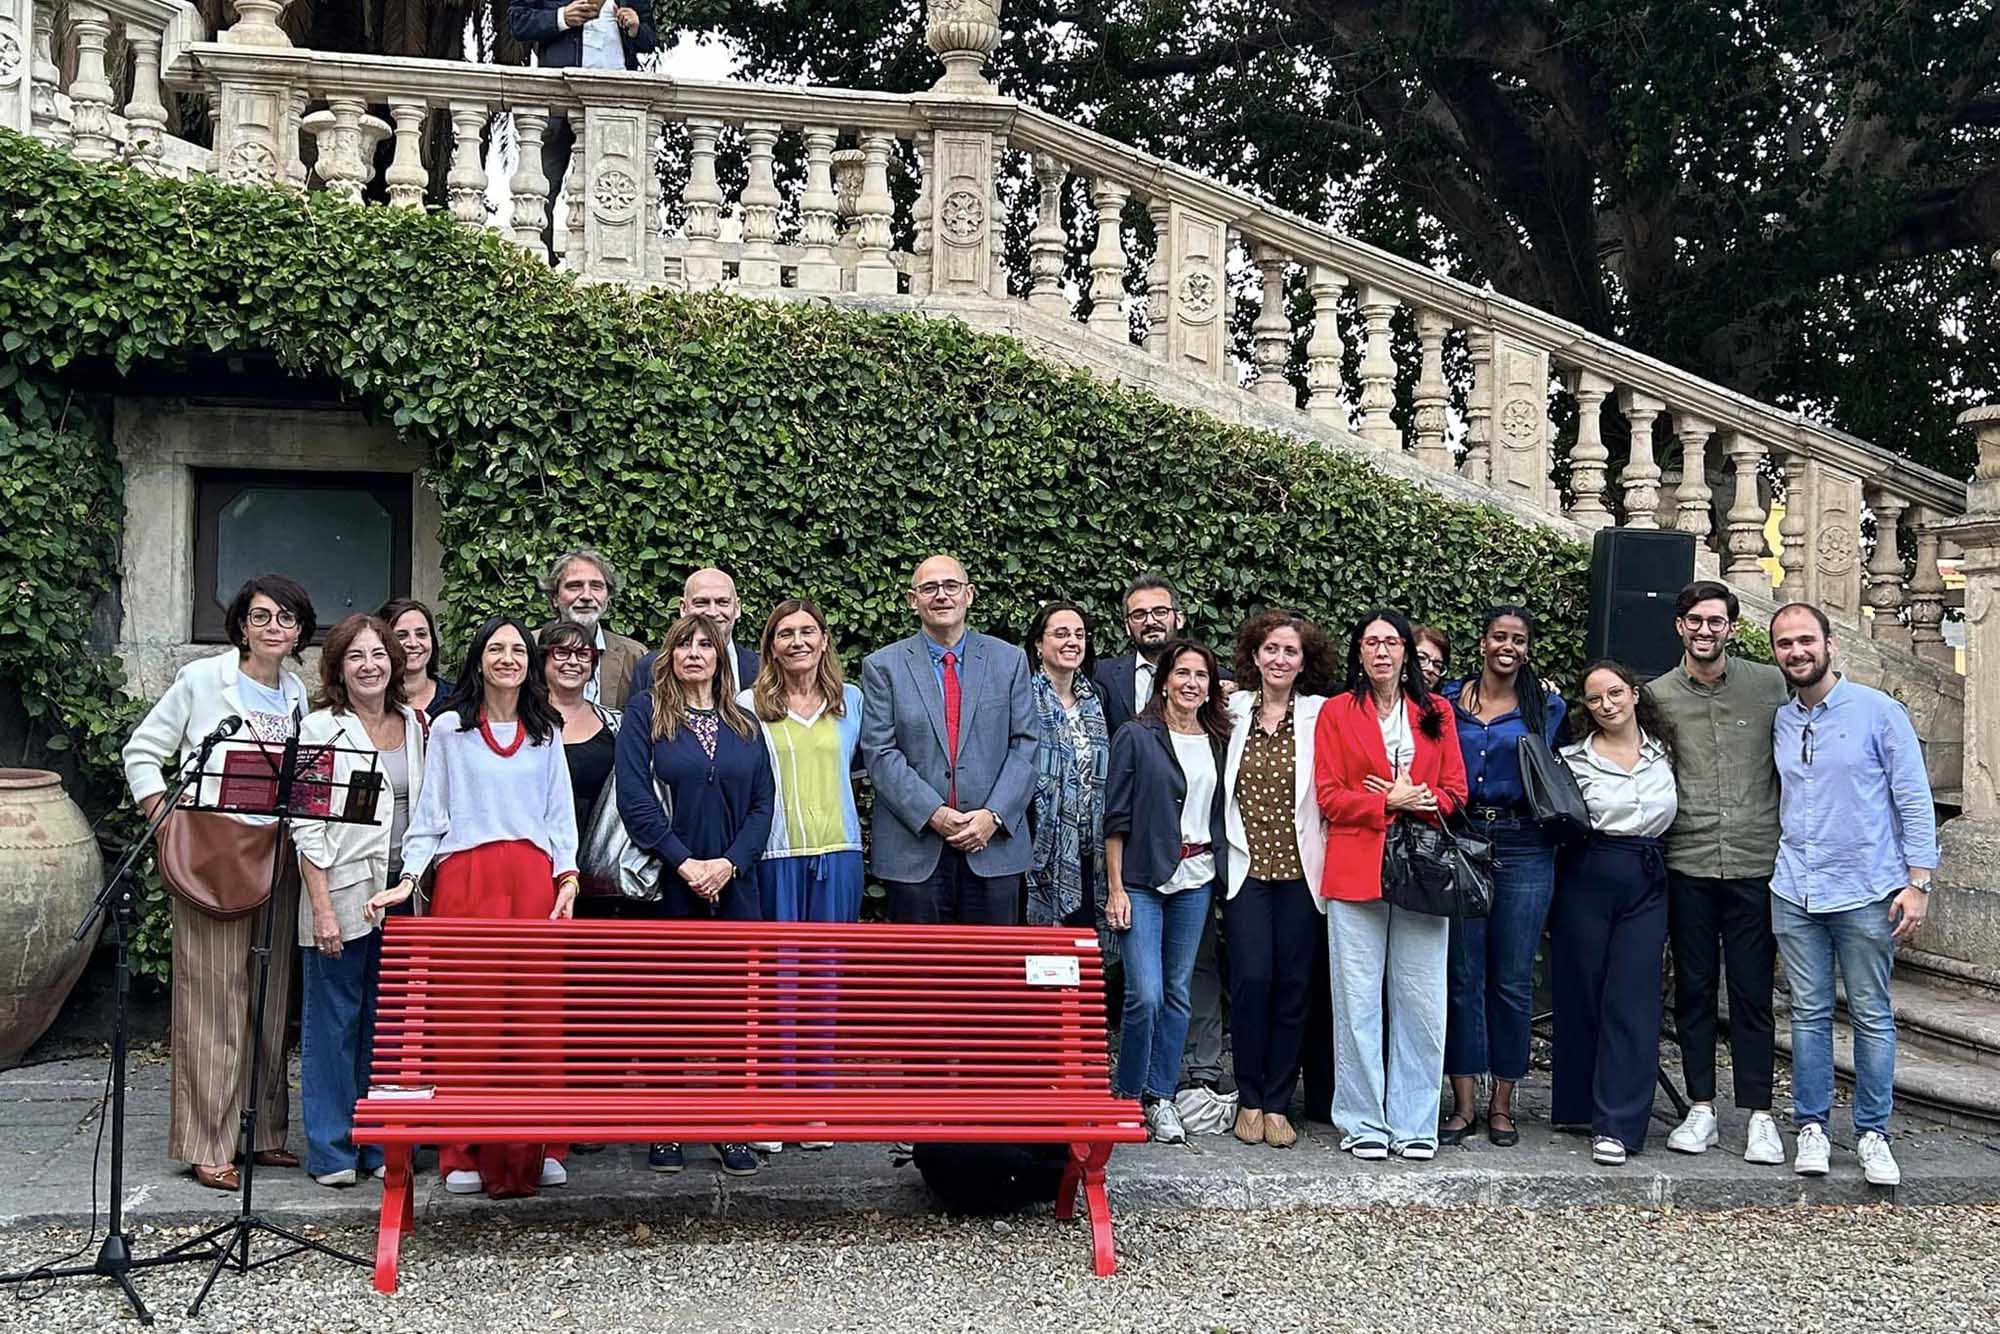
{"x": 1857, "y": 845}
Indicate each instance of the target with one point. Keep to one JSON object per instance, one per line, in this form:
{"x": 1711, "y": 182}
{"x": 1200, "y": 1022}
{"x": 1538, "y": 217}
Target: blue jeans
{"x": 1862, "y": 940}
{"x": 1159, "y": 963}
{"x": 1491, "y": 993}
{"x": 336, "y": 1044}
{"x": 1388, "y": 967}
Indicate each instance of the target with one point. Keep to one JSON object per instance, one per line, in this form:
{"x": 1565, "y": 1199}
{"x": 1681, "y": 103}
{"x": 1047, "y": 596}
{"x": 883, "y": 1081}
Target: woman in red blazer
{"x": 1384, "y": 750}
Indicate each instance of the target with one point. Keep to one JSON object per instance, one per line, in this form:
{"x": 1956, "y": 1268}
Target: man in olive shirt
{"x": 1720, "y": 854}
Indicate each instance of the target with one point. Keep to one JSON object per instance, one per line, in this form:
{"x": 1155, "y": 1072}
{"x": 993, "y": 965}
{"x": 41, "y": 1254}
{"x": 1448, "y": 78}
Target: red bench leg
{"x": 1072, "y": 1177}
{"x": 398, "y": 1216}
{"x": 1104, "y": 1254}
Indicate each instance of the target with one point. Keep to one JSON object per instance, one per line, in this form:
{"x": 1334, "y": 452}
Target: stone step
{"x": 1958, "y": 1091}
{"x": 1950, "y": 1017}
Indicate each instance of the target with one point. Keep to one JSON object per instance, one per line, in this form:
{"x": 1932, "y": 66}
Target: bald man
{"x": 712, "y": 593}
{"x": 948, "y": 733}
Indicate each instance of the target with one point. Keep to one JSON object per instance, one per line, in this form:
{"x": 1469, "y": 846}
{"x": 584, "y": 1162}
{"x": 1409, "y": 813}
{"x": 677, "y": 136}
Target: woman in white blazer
{"x": 1271, "y": 915}
{"x": 361, "y": 714}
{"x": 214, "y": 971}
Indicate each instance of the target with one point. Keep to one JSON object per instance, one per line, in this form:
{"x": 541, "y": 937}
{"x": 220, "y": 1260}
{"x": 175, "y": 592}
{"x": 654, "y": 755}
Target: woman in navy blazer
{"x": 708, "y": 757}
{"x": 1164, "y": 844}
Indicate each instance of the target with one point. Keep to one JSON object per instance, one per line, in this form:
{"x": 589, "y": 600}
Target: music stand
{"x": 295, "y": 783}
{"x": 115, "y": 1259}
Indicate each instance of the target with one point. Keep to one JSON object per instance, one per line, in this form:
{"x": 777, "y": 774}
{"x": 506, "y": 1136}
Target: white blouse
{"x": 1197, "y": 760}
{"x": 1639, "y": 803}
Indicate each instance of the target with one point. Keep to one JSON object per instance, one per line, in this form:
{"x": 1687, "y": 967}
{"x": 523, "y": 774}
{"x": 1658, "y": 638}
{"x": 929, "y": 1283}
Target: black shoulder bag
{"x": 1427, "y": 868}
{"x": 1555, "y": 802}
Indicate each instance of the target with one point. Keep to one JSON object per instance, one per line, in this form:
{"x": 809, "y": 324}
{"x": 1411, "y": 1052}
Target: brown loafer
{"x": 1250, "y": 1125}
{"x": 223, "y": 1177}
{"x": 277, "y": 1158}
{"x": 1278, "y": 1132}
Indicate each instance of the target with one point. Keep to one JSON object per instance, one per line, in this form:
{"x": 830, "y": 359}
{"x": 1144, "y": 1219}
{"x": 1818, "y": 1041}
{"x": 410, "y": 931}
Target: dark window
{"x": 344, "y": 535}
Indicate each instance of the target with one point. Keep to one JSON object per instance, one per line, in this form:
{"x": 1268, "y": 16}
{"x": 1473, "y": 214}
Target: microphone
{"x": 228, "y": 727}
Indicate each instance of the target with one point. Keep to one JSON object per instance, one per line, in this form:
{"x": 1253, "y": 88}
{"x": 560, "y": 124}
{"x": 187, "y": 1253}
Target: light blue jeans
{"x": 1862, "y": 941}
{"x": 1382, "y": 953}
{"x": 1159, "y": 954}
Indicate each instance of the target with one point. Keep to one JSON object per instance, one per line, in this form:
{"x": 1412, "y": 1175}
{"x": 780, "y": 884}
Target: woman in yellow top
{"x": 811, "y": 868}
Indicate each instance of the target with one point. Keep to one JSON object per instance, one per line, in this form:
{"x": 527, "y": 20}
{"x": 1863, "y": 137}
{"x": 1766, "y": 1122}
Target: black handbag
{"x": 1429, "y": 869}
{"x": 1555, "y": 802}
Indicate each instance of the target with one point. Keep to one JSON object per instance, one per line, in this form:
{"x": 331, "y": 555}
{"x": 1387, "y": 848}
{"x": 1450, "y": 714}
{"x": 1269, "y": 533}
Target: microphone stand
{"x": 115, "y": 1259}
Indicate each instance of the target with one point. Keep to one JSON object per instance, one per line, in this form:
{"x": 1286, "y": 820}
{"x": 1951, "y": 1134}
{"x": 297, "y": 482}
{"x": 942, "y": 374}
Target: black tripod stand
{"x": 115, "y": 1259}
{"x": 229, "y": 1245}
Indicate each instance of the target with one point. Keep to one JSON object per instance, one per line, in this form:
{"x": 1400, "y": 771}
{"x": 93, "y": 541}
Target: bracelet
{"x": 569, "y": 878}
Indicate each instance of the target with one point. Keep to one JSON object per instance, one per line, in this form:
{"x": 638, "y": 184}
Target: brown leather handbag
{"x": 216, "y": 863}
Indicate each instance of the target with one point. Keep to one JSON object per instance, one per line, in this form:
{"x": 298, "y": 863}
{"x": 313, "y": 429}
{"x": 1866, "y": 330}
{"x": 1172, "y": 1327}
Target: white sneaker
{"x": 815, "y": 1145}
{"x": 1164, "y": 1120}
{"x": 1607, "y": 1151}
{"x": 1766, "y": 1145}
{"x": 553, "y": 1173}
{"x": 380, "y": 1172}
{"x": 1813, "y": 1151}
{"x": 344, "y": 1177}
{"x": 768, "y": 1145}
{"x": 1877, "y": 1163}
{"x": 463, "y": 1183}
{"x": 1696, "y": 1134}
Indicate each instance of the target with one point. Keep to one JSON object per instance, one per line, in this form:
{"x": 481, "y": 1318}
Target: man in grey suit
{"x": 948, "y": 733}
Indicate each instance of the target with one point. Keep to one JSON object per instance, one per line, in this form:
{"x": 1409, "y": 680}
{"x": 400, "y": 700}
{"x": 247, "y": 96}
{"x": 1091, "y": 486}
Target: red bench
{"x": 611, "y": 1031}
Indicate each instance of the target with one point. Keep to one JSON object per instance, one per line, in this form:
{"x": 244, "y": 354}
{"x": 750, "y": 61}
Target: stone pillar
{"x": 1641, "y": 477}
{"x": 406, "y": 177}
{"x": 1588, "y": 457}
{"x": 1427, "y": 418}
{"x": 1271, "y": 334}
{"x": 618, "y": 156}
{"x": 1693, "y": 498}
{"x": 758, "y": 267}
{"x": 1885, "y": 571}
{"x": 145, "y": 113}
{"x": 1048, "y": 240}
{"x": 1378, "y": 370}
{"x": 465, "y": 183}
{"x": 1520, "y": 421}
{"x": 90, "y": 90}
{"x": 1926, "y": 595}
{"x": 1478, "y": 462}
{"x": 1197, "y": 259}
{"x": 1745, "y": 520}
{"x": 875, "y": 272}
{"x": 819, "y": 223}
{"x": 1157, "y": 279}
{"x": 1324, "y": 350}
{"x": 702, "y": 258}
{"x": 966, "y": 142}
{"x": 529, "y": 185}
{"x": 1833, "y": 569}
{"x": 963, "y": 34}
{"x": 254, "y": 102}
{"x": 1107, "y": 261}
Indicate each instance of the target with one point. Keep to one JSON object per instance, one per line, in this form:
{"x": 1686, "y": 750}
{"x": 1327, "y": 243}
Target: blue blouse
{"x": 1492, "y": 761}
{"x": 721, "y": 807}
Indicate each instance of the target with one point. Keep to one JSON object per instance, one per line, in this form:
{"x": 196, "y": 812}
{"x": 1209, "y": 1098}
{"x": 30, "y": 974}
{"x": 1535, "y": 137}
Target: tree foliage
{"x": 1793, "y": 198}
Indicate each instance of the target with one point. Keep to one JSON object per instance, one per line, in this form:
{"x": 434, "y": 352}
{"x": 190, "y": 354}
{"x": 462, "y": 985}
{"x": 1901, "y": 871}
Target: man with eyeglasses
{"x": 1857, "y": 847}
{"x": 1720, "y": 851}
{"x": 580, "y": 587}
{"x": 948, "y": 734}
{"x": 1152, "y": 619}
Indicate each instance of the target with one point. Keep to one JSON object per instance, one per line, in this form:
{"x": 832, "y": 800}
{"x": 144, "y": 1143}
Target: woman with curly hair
{"x": 1608, "y": 925}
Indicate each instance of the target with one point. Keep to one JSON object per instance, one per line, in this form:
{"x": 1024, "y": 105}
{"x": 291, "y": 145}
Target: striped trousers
{"x": 215, "y": 992}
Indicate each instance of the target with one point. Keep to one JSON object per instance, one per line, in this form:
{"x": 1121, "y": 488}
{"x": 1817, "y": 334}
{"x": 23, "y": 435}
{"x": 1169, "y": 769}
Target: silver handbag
{"x": 609, "y": 864}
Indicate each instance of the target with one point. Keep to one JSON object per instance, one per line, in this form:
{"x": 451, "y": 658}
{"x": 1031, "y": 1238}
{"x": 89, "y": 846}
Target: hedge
{"x": 808, "y": 449}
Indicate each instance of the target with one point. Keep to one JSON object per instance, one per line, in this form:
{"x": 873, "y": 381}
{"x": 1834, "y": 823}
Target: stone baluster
{"x": 874, "y": 210}
{"x": 1378, "y": 370}
{"x": 45, "y": 120}
{"x": 1159, "y": 278}
{"x": 1271, "y": 333}
{"x": 701, "y": 260}
{"x": 923, "y": 222}
{"x": 1792, "y": 529}
{"x": 1588, "y": 457}
{"x": 337, "y": 136}
{"x": 465, "y": 184}
{"x": 1926, "y": 593}
{"x": 1427, "y": 418}
{"x": 1885, "y": 570}
{"x": 849, "y": 164}
{"x": 1047, "y": 241}
{"x": 90, "y": 91}
{"x": 659, "y": 270}
{"x": 819, "y": 218}
{"x": 529, "y": 184}
{"x": 759, "y": 265}
{"x": 1745, "y": 520}
{"x": 1324, "y": 350}
{"x": 574, "y": 235}
{"x": 1641, "y": 477}
{"x": 1107, "y": 261}
{"x": 406, "y": 177}
{"x": 1693, "y": 497}
{"x": 291, "y": 139}
{"x": 1478, "y": 462}
{"x": 145, "y": 113}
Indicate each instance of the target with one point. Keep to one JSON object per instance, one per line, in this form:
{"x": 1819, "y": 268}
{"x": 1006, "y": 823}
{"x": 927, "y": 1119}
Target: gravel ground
{"x": 1904, "y": 1270}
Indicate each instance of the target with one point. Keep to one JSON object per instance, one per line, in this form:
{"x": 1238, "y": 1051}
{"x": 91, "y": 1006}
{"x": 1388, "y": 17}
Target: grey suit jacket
{"x": 902, "y": 743}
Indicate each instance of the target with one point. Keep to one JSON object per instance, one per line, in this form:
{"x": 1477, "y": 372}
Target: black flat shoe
{"x": 1448, "y": 1136}
{"x": 1507, "y": 1138}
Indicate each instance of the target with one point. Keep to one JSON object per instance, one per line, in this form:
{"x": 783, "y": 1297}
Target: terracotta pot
{"x": 50, "y": 871}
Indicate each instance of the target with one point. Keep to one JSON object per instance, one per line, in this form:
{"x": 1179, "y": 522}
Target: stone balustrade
{"x": 85, "y": 112}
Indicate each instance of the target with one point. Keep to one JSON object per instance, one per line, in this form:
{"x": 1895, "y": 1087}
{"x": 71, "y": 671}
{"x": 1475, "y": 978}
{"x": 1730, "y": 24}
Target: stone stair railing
{"x": 82, "y": 109}
{"x": 1702, "y": 459}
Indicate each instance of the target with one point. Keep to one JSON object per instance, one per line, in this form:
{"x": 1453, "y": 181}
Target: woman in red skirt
{"x": 497, "y": 820}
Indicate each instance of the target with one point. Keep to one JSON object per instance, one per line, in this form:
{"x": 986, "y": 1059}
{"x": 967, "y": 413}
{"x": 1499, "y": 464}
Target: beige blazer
{"x": 202, "y": 695}
{"x": 355, "y": 857}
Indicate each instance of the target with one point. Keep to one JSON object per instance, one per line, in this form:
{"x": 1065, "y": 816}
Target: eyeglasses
{"x": 1140, "y": 615}
{"x": 950, "y": 588}
{"x": 263, "y": 616}
{"x": 1430, "y": 659}
{"x": 1716, "y": 623}
{"x": 1372, "y": 643}
{"x": 1805, "y": 746}
{"x": 571, "y": 653}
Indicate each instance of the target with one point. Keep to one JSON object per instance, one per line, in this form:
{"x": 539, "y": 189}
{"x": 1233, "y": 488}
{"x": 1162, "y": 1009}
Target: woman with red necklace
{"x": 497, "y": 820}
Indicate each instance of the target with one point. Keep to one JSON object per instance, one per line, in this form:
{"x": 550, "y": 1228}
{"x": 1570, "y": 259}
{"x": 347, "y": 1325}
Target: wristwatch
{"x": 1924, "y": 884}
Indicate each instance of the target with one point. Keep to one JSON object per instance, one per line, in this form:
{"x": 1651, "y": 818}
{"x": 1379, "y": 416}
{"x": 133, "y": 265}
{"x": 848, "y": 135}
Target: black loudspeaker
{"x": 1635, "y": 575}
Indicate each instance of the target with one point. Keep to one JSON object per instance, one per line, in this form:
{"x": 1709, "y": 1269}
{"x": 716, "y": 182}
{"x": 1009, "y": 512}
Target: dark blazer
{"x": 1143, "y": 798}
{"x": 721, "y": 807}
{"x": 1113, "y": 679}
{"x": 747, "y": 663}
{"x": 538, "y": 23}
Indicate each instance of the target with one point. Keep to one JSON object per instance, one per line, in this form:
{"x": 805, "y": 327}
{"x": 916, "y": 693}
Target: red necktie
{"x": 951, "y": 726}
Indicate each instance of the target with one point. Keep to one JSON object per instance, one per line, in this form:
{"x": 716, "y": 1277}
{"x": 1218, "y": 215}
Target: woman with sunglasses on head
{"x": 1492, "y": 968}
{"x": 1608, "y": 925}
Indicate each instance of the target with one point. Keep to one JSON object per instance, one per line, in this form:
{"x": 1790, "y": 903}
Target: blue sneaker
{"x": 665, "y": 1158}
{"x": 737, "y": 1159}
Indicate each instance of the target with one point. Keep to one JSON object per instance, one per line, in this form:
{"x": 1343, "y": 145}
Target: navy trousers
{"x": 1607, "y": 932}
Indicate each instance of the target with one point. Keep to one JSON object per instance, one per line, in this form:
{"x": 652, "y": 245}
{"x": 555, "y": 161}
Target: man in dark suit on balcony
{"x": 577, "y": 34}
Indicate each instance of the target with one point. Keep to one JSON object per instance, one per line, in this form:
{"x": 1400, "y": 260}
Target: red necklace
{"x": 506, "y": 751}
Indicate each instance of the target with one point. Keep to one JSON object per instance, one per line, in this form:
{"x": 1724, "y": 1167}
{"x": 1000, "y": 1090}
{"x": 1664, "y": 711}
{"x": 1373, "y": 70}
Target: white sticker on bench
{"x": 401, "y": 1092}
{"x": 1052, "y": 970}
